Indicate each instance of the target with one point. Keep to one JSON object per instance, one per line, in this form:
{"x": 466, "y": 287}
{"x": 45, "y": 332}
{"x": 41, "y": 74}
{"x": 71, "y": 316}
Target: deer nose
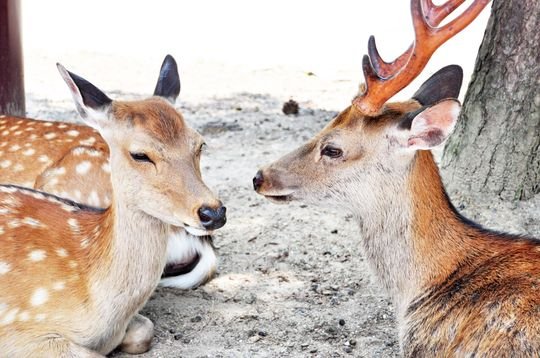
{"x": 258, "y": 180}
{"x": 212, "y": 219}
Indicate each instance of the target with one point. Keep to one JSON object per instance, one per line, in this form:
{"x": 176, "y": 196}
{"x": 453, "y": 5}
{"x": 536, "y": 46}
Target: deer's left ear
{"x": 168, "y": 84}
{"x": 431, "y": 126}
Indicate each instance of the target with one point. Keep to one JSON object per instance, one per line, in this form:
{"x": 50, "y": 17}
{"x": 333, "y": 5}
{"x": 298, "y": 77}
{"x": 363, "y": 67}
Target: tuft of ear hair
{"x": 168, "y": 84}
{"x": 433, "y": 125}
{"x": 444, "y": 83}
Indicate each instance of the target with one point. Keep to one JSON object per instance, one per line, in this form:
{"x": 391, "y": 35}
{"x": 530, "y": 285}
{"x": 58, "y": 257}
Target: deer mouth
{"x": 279, "y": 199}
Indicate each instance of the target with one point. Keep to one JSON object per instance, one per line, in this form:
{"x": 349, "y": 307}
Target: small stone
{"x": 347, "y": 349}
{"x": 178, "y": 336}
{"x": 196, "y": 319}
{"x": 262, "y": 333}
{"x": 314, "y": 350}
{"x": 290, "y": 107}
{"x": 341, "y": 322}
{"x": 186, "y": 341}
{"x": 334, "y": 231}
{"x": 352, "y": 342}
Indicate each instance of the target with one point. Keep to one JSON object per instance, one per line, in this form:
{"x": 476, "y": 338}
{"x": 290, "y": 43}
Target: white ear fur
{"x": 431, "y": 127}
{"x": 94, "y": 117}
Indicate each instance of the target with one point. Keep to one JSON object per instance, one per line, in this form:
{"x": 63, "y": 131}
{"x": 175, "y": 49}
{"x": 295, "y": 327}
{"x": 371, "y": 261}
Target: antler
{"x": 384, "y": 79}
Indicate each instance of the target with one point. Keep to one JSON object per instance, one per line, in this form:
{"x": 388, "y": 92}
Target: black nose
{"x": 258, "y": 180}
{"x": 212, "y": 219}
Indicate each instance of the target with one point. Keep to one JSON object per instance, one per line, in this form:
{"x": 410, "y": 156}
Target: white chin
{"x": 197, "y": 232}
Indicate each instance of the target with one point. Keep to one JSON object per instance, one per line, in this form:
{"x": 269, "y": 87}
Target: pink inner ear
{"x": 431, "y": 127}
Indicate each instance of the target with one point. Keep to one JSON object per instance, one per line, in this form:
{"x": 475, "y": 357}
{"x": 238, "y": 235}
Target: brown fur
{"x": 459, "y": 289}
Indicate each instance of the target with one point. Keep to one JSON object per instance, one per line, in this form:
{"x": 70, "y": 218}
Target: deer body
{"x": 93, "y": 284}
{"x": 459, "y": 290}
{"x": 72, "y": 161}
{"x": 72, "y": 277}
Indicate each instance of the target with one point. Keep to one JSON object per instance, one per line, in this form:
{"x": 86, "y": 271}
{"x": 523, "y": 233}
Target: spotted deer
{"x": 72, "y": 161}
{"x": 458, "y": 289}
{"x": 73, "y": 277}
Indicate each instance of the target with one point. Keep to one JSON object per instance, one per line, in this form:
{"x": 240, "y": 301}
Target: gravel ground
{"x": 292, "y": 280}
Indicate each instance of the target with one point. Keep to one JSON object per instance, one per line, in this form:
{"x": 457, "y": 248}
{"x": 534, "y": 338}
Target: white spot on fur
{"x": 72, "y": 133}
{"x": 24, "y": 316}
{"x": 31, "y": 222}
{"x": 17, "y": 133}
{"x": 93, "y": 199}
{"x": 4, "y": 267}
{"x": 10, "y": 316}
{"x": 83, "y": 167}
{"x": 14, "y": 148}
{"x": 61, "y": 252}
{"x": 39, "y": 297}
{"x": 59, "y": 286}
{"x": 37, "y": 255}
{"x": 5, "y": 163}
{"x": 43, "y": 159}
{"x": 88, "y": 141}
{"x": 84, "y": 243}
{"x": 28, "y": 152}
{"x": 15, "y": 223}
{"x": 18, "y": 168}
{"x": 73, "y": 264}
{"x": 50, "y": 136}
{"x": 62, "y": 126}
{"x": 1, "y": 230}
{"x": 47, "y": 124}
{"x": 74, "y": 224}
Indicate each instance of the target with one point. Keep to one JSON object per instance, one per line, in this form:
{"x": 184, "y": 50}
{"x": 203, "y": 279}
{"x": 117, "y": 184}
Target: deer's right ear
{"x": 92, "y": 104}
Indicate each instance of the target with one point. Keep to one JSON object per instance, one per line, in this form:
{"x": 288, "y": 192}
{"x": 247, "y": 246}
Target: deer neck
{"x": 412, "y": 236}
{"x": 134, "y": 254}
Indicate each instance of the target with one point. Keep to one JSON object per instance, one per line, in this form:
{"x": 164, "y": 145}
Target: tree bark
{"x": 494, "y": 151}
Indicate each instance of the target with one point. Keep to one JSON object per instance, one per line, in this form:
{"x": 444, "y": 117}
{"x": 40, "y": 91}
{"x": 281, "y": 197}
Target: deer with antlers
{"x": 72, "y": 161}
{"x": 73, "y": 277}
{"x": 458, "y": 289}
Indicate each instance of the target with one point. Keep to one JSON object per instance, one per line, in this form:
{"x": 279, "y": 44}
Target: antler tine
{"x": 385, "y": 69}
{"x": 383, "y": 79}
{"x": 433, "y": 14}
{"x": 436, "y": 14}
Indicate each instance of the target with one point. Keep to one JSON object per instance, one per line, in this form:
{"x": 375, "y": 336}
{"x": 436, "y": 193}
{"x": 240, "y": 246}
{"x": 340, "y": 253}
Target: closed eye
{"x": 141, "y": 157}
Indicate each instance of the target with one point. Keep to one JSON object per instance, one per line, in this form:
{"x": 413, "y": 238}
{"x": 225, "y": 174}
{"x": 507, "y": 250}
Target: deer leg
{"x": 139, "y": 334}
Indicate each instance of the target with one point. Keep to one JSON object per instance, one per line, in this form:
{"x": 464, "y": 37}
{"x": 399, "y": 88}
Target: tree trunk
{"x": 11, "y": 65}
{"x": 494, "y": 151}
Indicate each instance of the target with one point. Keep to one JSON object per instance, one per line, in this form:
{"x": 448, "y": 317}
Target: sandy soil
{"x": 292, "y": 280}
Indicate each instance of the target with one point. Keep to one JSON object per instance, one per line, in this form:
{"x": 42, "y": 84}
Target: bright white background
{"x": 131, "y": 37}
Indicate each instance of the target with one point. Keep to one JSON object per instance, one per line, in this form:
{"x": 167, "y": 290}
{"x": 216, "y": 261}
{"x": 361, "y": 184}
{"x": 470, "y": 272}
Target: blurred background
{"x": 282, "y": 48}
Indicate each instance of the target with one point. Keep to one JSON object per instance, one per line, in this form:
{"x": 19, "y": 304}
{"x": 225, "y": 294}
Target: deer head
{"x": 362, "y": 152}
{"x": 150, "y": 143}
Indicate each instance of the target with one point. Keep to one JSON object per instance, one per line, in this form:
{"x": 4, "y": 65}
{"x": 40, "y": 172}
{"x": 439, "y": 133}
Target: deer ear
{"x": 168, "y": 84}
{"x": 445, "y": 83}
{"x": 431, "y": 126}
{"x": 92, "y": 104}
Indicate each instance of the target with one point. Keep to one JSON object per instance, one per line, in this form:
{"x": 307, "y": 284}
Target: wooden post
{"x": 12, "y": 100}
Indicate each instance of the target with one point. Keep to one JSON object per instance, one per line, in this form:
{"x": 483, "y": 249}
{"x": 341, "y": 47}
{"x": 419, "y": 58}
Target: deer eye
{"x": 331, "y": 152}
{"x": 141, "y": 157}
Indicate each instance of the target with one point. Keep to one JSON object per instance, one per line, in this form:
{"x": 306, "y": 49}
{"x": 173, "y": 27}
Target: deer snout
{"x": 212, "y": 218}
{"x": 258, "y": 180}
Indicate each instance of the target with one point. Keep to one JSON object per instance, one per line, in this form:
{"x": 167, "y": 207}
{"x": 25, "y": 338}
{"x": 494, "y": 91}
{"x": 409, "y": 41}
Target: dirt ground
{"x": 292, "y": 279}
